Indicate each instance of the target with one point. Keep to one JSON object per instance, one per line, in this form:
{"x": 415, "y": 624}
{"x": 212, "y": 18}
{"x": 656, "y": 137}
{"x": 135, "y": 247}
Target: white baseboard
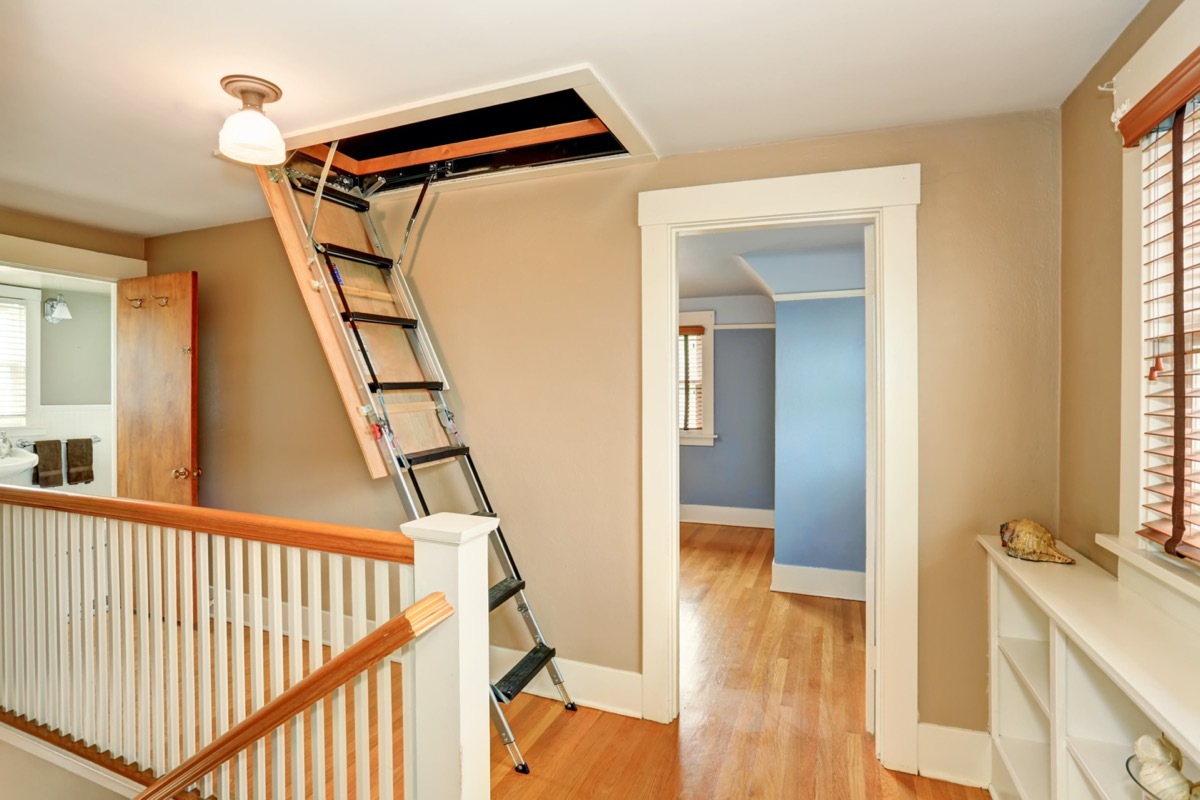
{"x": 71, "y": 763}
{"x": 818, "y": 582}
{"x": 956, "y": 755}
{"x": 590, "y": 685}
{"x": 727, "y": 515}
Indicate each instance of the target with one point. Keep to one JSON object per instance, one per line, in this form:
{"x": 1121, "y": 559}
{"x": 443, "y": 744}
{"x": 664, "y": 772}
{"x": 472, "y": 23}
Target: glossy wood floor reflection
{"x": 772, "y": 702}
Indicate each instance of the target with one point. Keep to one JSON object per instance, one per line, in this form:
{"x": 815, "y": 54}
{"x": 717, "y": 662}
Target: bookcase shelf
{"x": 1076, "y": 676}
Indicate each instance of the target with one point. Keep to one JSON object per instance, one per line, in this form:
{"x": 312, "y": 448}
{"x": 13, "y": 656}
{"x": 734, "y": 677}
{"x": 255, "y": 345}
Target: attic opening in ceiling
{"x": 547, "y": 129}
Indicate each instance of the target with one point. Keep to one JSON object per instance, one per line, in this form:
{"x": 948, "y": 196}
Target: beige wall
{"x": 1091, "y": 297}
{"x": 26, "y": 776}
{"x": 69, "y": 234}
{"x": 532, "y": 291}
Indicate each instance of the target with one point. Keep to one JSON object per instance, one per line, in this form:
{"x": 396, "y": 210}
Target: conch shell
{"x": 1165, "y": 781}
{"x": 1150, "y": 749}
{"x": 1026, "y": 539}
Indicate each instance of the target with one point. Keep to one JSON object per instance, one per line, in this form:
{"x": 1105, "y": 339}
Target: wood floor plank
{"x": 771, "y": 702}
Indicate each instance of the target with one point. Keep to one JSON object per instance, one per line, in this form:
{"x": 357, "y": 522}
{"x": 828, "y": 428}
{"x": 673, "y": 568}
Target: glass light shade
{"x": 57, "y": 310}
{"x": 248, "y": 136}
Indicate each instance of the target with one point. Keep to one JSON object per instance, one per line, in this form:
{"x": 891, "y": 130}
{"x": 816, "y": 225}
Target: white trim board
{"x": 728, "y": 515}
{"x": 887, "y": 198}
{"x": 745, "y": 326}
{"x": 956, "y": 755}
{"x": 590, "y": 685}
{"x": 818, "y": 581}
{"x": 71, "y": 763}
{"x": 790, "y": 296}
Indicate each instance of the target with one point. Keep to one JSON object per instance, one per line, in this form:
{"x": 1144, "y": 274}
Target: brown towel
{"x": 48, "y": 471}
{"x": 79, "y": 461}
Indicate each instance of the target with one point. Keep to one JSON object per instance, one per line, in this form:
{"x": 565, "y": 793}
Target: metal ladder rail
{"x": 402, "y": 467}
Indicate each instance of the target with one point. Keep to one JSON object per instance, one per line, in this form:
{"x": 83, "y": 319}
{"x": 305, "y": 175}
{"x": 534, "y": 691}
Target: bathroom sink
{"x": 16, "y": 462}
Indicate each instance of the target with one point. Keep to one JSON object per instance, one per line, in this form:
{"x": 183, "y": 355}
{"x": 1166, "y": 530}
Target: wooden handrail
{"x": 338, "y": 671}
{"x": 329, "y": 538}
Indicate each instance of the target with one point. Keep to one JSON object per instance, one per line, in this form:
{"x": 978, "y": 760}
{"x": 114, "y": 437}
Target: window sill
{"x": 1170, "y": 572}
{"x": 697, "y": 439}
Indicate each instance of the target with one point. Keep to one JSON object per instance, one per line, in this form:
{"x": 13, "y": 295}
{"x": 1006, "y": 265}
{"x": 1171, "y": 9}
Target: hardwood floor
{"x": 772, "y": 702}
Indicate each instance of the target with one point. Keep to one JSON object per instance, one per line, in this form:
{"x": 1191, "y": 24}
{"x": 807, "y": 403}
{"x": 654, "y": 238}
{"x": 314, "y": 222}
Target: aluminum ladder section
{"x": 402, "y": 387}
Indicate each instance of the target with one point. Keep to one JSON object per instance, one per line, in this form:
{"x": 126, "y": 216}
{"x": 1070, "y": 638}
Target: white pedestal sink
{"x": 17, "y": 468}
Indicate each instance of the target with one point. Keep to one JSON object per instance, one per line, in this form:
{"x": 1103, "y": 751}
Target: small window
{"x": 20, "y": 396}
{"x": 694, "y": 373}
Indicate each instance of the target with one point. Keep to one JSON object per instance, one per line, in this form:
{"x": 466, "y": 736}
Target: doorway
{"x": 885, "y": 198}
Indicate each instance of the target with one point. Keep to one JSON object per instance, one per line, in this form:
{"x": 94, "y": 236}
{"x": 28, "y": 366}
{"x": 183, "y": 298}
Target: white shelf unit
{"x": 1080, "y": 667}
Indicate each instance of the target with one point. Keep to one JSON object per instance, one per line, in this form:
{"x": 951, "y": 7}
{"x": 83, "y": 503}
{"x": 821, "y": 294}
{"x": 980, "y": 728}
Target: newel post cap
{"x": 449, "y": 528}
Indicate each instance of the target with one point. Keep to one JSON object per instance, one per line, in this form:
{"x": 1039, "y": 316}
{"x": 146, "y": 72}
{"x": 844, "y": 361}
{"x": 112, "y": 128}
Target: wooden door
{"x": 156, "y": 388}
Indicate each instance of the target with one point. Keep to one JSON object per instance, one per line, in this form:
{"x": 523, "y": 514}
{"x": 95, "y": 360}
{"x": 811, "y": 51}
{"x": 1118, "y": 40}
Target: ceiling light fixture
{"x": 247, "y": 135}
{"x": 56, "y": 310}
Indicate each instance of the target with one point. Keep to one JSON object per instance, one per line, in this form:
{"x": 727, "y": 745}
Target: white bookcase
{"x": 1080, "y": 667}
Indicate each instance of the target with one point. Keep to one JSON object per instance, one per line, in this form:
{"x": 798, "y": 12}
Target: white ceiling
{"x": 712, "y": 264}
{"x": 109, "y": 111}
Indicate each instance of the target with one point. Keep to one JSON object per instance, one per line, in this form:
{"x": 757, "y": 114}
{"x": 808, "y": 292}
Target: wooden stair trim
{"x": 415, "y": 620}
{"x": 327, "y": 537}
{"x": 470, "y": 147}
{"x": 298, "y": 252}
{"x": 88, "y": 753}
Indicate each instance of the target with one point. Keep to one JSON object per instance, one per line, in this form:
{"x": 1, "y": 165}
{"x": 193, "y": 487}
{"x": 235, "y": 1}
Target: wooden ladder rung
{"x": 411, "y": 408}
{"x": 367, "y": 293}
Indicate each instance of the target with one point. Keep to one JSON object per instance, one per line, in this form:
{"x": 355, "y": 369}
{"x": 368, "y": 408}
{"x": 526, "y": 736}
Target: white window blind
{"x": 691, "y": 378}
{"x": 1171, "y": 258}
{"x": 13, "y": 357}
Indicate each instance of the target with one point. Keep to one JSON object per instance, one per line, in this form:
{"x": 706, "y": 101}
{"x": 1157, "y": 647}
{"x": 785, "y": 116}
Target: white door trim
{"x": 888, "y": 197}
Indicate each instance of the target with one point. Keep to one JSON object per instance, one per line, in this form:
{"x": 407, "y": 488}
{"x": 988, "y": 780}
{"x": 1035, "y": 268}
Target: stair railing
{"x": 136, "y": 635}
{"x": 360, "y": 657}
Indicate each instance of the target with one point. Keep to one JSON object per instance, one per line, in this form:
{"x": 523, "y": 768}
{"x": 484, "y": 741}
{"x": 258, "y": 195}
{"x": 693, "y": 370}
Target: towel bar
{"x": 29, "y": 442}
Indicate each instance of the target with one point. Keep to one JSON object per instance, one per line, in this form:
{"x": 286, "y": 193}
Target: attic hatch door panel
{"x": 553, "y": 128}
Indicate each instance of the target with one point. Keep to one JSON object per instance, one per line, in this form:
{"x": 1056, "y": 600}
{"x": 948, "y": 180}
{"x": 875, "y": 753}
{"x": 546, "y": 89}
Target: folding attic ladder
{"x": 397, "y": 374}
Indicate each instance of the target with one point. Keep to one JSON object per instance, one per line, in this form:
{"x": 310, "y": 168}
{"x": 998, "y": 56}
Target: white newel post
{"x": 451, "y": 751}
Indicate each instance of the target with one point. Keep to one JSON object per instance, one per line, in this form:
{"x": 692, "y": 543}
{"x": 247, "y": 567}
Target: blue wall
{"x": 820, "y": 433}
{"x": 811, "y": 271}
{"x": 739, "y": 469}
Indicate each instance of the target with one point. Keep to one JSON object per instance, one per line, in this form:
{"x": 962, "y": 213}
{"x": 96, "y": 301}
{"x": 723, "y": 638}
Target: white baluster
{"x": 115, "y": 611}
{"x": 129, "y": 613}
{"x": 87, "y": 620}
{"x": 25, "y": 627}
{"x": 406, "y": 590}
{"x": 296, "y": 665}
{"x": 237, "y": 593}
{"x": 383, "y": 689}
{"x": 54, "y": 622}
{"x": 37, "y": 708}
{"x": 143, "y": 637}
{"x": 79, "y": 700}
{"x": 316, "y": 657}
{"x": 221, "y": 634}
{"x": 362, "y": 708}
{"x": 158, "y": 656}
{"x": 205, "y": 668}
{"x": 275, "y": 632}
{"x": 187, "y": 635}
{"x": 337, "y": 643}
{"x": 257, "y": 672}
{"x": 171, "y": 628}
{"x": 7, "y": 608}
{"x": 100, "y": 617}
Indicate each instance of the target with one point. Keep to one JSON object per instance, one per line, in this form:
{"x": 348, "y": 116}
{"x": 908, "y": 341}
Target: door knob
{"x": 181, "y": 472}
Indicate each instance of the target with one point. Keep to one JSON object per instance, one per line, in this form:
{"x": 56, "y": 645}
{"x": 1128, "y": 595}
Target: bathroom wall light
{"x": 247, "y": 135}
{"x": 56, "y": 310}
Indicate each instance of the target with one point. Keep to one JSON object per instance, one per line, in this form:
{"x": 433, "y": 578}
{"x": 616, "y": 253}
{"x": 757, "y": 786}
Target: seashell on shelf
{"x": 1027, "y": 540}
{"x": 1164, "y": 781}
{"x": 1155, "y": 748}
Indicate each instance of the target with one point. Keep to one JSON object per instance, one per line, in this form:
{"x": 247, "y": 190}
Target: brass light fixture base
{"x": 253, "y": 92}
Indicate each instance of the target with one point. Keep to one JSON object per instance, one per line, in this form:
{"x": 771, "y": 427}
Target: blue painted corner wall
{"x": 820, "y": 433}
{"x": 739, "y": 469}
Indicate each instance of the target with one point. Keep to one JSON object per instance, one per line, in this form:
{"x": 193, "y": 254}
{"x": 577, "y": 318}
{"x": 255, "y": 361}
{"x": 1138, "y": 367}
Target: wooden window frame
{"x": 705, "y": 437}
